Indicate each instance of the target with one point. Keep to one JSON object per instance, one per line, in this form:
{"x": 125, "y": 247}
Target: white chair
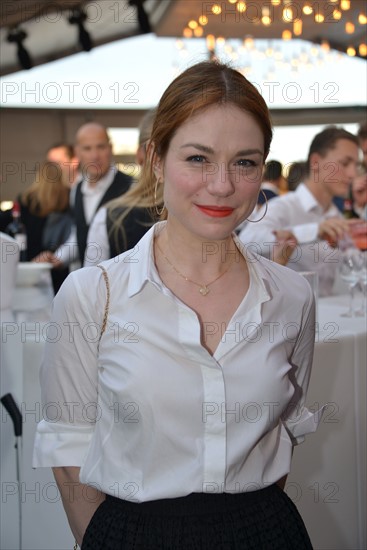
{"x": 9, "y": 250}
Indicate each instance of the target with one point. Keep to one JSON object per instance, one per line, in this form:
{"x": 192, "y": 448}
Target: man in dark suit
{"x": 100, "y": 182}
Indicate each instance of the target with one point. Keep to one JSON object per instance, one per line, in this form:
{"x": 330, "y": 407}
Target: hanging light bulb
{"x": 216, "y": 9}
{"x": 241, "y": 7}
{"x": 286, "y": 35}
{"x": 307, "y": 9}
{"x": 265, "y": 16}
{"x": 351, "y": 51}
{"x": 362, "y": 19}
{"x": 210, "y": 42}
{"x": 362, "y": 50}
{"x": 345, "y": 5}
{"x": 319, "y": 18}
{"x": 288, "y": 14}
{"x": 349, "y": 27}
{"x": 337, "y": 14}
{"x": 297, "y": 27}
{"x": 198, "y": 32}
{"x": 192, "y": 24}
{"x": 203, "y": 20}
{"x": 187, "y": 33}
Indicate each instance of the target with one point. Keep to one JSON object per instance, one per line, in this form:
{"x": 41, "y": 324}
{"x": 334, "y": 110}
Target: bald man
{"x": 100, "y": 183}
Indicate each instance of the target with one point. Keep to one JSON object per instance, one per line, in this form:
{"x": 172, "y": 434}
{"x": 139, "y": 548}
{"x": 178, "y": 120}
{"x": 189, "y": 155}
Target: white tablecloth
{"x": 44, "y": 524}
{"x": 328, "y": 478}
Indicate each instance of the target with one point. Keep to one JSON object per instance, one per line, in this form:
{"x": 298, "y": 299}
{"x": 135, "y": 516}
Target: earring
{"x": 266, "y": 209}
{"x": 158, "y": 211}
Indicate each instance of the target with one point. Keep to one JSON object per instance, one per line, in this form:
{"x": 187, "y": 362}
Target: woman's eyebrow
{"x": 203, "y": 148}
{"x": 207, "y": 149}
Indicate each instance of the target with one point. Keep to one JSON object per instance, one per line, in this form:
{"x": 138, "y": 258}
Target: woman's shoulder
{"x": 81, "y": 281}
{"x": 285, "y": 279}
{"x": 83, "y": 292}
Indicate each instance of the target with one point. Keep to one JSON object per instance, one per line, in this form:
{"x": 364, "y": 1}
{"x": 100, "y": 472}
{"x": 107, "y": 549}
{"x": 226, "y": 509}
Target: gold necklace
{"x": 203, "y": 289}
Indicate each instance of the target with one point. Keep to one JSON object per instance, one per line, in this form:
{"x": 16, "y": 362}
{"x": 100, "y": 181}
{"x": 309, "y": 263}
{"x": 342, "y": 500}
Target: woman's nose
{"x": 219, "y": 179}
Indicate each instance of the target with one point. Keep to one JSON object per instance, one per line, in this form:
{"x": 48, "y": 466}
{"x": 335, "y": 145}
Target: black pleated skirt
{"x": 259, "y": 520}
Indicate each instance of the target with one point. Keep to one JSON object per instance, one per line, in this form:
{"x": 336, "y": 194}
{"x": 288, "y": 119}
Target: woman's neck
{"x": 196, "y": 257}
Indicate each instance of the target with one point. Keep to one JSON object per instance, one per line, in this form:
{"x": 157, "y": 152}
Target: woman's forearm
{"x": 80, "y": 501}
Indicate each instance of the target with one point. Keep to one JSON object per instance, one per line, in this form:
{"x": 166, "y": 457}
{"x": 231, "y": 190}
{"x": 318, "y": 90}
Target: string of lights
{"x": 287, "y": 17}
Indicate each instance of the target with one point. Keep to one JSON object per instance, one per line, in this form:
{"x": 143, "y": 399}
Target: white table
{"x": 328, "y": 478}
{"x": 23, "y": 332}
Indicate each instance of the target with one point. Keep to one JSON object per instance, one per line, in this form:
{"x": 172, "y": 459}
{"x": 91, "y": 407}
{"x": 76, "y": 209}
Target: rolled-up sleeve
{"x": 69, "y": 372}
{"x": 297, "y": 419}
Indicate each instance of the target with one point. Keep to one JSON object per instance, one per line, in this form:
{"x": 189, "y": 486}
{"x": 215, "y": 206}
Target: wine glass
{"x": 361, "y": 312}
{"x": 350, "y": 267}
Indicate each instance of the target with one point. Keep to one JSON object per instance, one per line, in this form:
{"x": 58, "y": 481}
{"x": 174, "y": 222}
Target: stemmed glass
{"x": 350, "y": 268}
{"x": 361, "y": 312}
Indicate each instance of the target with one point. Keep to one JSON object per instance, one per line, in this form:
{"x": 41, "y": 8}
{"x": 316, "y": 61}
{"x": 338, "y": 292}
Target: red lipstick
{"x": 216, "y": 211}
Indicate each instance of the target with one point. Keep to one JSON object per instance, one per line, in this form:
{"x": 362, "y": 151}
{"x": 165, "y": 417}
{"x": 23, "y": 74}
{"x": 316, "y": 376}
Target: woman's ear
{"x": 155, "y": 160}
{"x": 158, "y": 167}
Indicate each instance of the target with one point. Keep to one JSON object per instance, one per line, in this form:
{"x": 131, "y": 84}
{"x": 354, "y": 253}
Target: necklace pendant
{"x": 204, "y": 290}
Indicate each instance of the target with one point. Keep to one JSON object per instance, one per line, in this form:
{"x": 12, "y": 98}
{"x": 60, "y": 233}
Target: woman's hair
{"x": 48, "y": 193}
{"x": 199, "y": 87}
{"x": 146, "y": 125}
{"x": 138, "y": 196}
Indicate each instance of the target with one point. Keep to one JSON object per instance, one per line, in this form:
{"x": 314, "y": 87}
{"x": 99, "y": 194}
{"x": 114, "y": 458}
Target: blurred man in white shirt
{"x": 309, "y": 212}
{"x": 362, "y": 136}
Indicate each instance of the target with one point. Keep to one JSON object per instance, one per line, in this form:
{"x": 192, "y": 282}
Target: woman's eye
{"x": 246, "y": 163}
{"x": 196, "y": 158}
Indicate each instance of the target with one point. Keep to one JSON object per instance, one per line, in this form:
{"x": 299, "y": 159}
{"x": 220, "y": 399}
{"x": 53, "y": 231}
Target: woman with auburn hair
{"x": 44, "y": 209}
{"x": 185, "y": 407}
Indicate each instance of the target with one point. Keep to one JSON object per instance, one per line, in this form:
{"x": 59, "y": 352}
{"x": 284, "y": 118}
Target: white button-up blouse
{"x": 149, "y": 413}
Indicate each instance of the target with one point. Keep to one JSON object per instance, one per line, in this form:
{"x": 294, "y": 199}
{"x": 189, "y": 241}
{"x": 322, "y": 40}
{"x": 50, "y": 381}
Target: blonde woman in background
{"x": 45, "y": 213}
